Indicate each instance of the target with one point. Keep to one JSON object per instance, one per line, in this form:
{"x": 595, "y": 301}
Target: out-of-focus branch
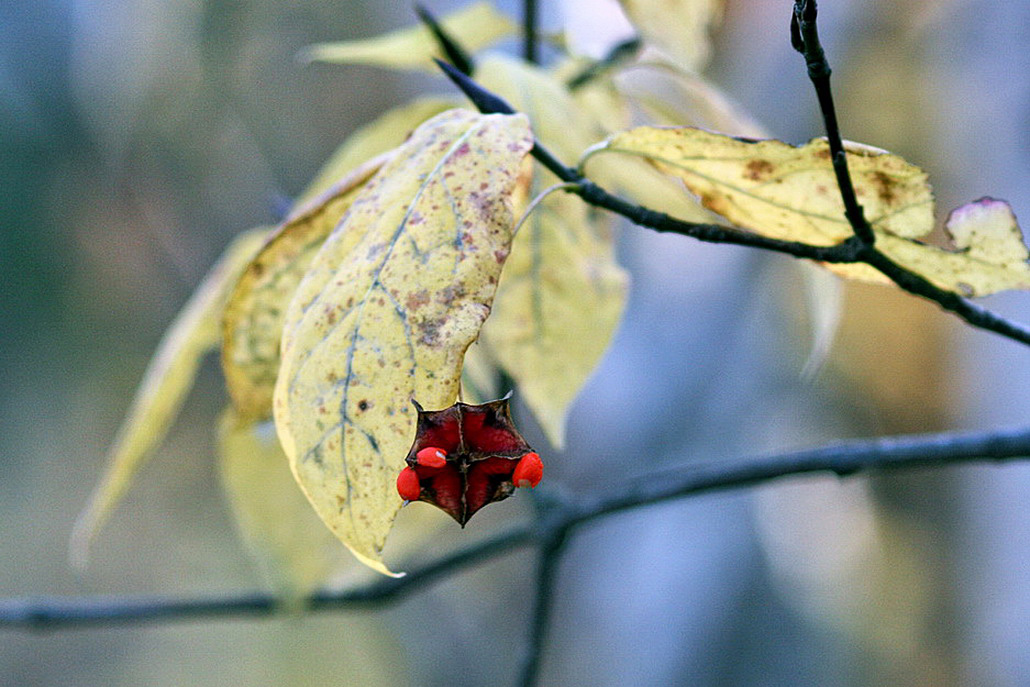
{"x": 562, "y": 514}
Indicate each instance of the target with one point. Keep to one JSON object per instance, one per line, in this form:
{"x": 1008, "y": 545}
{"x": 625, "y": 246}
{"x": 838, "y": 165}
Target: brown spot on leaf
{"x": 430, "y": 329}
{"x": 451, "y": 293}
{"x": 884, "y": 186}
{"x": 417, "y": 299}
{"x": 758, "y": 169}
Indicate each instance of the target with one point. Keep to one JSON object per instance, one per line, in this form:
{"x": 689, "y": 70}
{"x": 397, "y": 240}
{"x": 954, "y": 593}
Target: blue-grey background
{"x": 138, "y": 136}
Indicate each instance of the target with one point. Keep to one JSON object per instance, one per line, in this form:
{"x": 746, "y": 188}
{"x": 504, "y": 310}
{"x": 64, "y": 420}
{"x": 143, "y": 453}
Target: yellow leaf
{"x": 562, "y": 293}
{"x": 785, "y": 192}
{"x": 376, "y": 325}
{"x": 791, "y": 193}
{"x": 476, "y": 26}
{"x": 989, "y": 254}
{"x": 292, "y": 548}
{"x": 375, "y": 138}
{"x": 678, "y": 28}
{"x": 252, "y": 325}
{"x": 165, "y": 384}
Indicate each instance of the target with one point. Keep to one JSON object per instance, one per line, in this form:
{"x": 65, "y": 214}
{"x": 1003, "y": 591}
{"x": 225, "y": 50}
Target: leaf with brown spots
{"x": 783, "y": 191}
{"x": 253, "y": 322}
{"x": 790, "y": 193}
{"x": 376, "y": 324}
{"x": 989, "y": 251}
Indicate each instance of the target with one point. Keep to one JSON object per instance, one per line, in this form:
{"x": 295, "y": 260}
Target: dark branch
{"x": 456, "y": 54}
{"x": 547, "y": 570}
{"x": 804, "y": 36}
{"x": 854, "y": 250}
{"x": 843, "y": 459}
{"x": 59, "y": 613}
{"x": 561, "y": 514}
{"x": 530, "y": 51}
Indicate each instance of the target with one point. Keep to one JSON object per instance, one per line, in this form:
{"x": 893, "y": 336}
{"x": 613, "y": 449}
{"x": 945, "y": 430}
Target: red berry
{"x": 408, "y": 485}
{"x": 529, "y": 471}
{"x": 431, "y": 457}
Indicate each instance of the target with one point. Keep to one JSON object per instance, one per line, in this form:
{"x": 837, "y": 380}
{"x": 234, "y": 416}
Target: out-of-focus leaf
{"x": 475, "y": 26}
{"x": 676, "y": 97}
{"x": 825, "y": 297}
{"x": 562, "y": 293}
{"x": 790, "y": 193}
{"x": 296, "y": 553}
{"x": 679, "y": 28}
{"x": 168, "y": 379}
{"x": 376, "y": 137}
{"x": 606, "y": 110}
{"x": 479, "y": 375}
{"x": 252, "y": 325}
{"x": 373, "y": 326}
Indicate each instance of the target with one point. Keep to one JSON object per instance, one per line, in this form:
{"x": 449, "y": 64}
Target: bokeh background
{"x": 138, "y": 136}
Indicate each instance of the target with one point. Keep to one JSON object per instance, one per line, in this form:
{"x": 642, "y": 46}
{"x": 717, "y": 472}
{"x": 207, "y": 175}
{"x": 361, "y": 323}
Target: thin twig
{"x": 530, "y": 51}
{"x": 805, "y": 39}
{"x": 547, "y": 570}
{"x": 843, "y": 459}
{"x": 456, "y": 54}
{"x": 55, "y": 613}
{"x": 564, "y": 513}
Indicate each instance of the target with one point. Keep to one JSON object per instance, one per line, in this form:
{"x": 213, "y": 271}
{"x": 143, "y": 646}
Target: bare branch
{"x": 562, "y": 513}
{"x": 805, "y": 39}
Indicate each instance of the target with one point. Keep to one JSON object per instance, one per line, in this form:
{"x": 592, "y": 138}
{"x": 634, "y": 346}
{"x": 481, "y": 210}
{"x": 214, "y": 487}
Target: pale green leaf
{"x": 562, "y": 293}
{"x": 824, "y": 293}
{"x": 167, "y": 380}
{"x": 374, "y": 326}
{"x": 678, "y": 28}
{"x": 294, "y": 551}
{"x": 252, "y": 324}
{"x": 475, "y": 26}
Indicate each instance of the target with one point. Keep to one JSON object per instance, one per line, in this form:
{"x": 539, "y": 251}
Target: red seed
{"x": 408, "y": 485}
{"x": 529, "y": 471}
{"x": 432, "y": 457}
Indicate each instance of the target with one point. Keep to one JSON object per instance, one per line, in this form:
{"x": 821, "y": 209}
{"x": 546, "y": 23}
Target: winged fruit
{"x": 465, "y": 457}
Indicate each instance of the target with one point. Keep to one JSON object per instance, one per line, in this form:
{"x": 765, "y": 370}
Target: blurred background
{"x": 139, "y": 136}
